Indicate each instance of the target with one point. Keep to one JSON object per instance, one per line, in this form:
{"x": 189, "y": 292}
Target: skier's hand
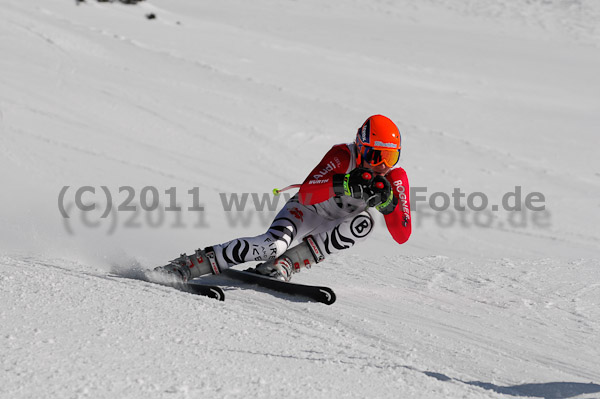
{"x": 356, "y": 184}
{"x": 382, "y": 197}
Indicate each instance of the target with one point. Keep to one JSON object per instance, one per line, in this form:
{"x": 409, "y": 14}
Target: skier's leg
{"x": 328, "y": 238}
{"x": 294, "y": 220}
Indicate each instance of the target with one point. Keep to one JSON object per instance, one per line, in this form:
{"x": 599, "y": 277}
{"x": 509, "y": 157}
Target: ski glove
{"x": 356, "y": 184}
{"x": 382, "y": 197}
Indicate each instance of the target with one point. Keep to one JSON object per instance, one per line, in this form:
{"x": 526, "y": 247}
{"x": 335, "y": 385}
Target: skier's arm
{"x": 318, "y": 186}
{"x": 398, "y": 222}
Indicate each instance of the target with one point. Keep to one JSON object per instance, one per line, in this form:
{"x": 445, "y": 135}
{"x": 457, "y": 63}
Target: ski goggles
{"x": 376, "y": 157}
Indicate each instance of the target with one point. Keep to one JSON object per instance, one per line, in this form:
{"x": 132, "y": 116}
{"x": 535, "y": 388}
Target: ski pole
{"x": 277, "y": 191}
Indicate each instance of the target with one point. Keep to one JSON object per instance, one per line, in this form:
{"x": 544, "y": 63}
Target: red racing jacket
{"x": 341, "y": 158}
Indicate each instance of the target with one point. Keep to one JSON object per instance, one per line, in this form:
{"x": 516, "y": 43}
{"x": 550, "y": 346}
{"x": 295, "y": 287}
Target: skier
{"x": 328, "y": 214}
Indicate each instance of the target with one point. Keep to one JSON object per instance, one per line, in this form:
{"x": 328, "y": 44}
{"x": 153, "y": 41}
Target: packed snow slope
{"x": 210, "y": 100}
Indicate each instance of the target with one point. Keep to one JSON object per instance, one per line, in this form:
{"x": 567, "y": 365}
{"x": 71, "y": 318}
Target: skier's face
{"x": 381, "y": 169}
{"x": 379, "y": 160}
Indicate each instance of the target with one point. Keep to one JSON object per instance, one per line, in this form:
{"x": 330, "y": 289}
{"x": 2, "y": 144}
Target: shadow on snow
{"x": 548, "y": 390}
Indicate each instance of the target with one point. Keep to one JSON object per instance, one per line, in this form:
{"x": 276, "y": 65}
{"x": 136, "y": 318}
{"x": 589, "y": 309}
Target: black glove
{"x": 356, "y": 184}
{"x": 382, "y": 197}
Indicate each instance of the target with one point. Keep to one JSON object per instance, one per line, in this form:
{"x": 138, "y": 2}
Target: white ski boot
{"x": 187, "y": 267}
{"x": 279, "y": 269}
{"x": 302, "y": 255}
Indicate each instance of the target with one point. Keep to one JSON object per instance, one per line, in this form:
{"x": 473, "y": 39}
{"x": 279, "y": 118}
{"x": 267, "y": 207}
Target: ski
{"x": 320, "y": 294}
{"x": 211, "y": 291}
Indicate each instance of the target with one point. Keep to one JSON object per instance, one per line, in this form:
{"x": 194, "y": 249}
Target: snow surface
{"x": 240, "y": 97}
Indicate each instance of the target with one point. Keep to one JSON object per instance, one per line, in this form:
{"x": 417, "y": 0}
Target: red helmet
{"x": 378, "y": 141}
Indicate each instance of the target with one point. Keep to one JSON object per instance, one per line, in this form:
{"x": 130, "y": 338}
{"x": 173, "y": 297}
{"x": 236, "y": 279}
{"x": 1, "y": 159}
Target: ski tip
{"x": 217, "y": 293}
{"x": 210, "y": 291}
{"x": 328, "y": 295}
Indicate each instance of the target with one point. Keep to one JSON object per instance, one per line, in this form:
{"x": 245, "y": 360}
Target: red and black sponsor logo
{"x": 401, "y": 190}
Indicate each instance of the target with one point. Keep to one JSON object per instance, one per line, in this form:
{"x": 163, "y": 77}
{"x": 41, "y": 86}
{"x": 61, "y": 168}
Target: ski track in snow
{"x": 212, "y": 95}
